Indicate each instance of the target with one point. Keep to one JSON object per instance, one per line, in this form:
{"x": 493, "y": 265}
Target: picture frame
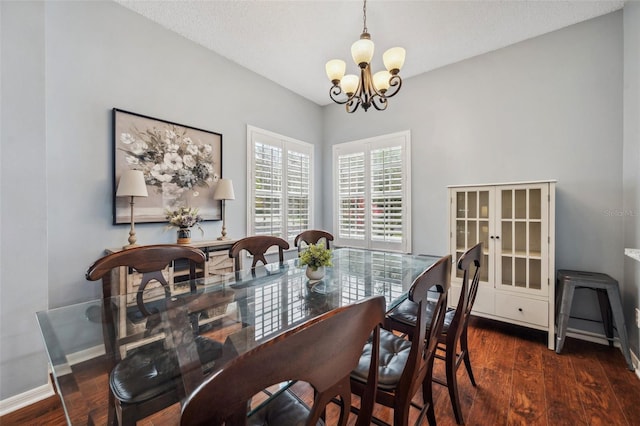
{"x": 181, "y": 165}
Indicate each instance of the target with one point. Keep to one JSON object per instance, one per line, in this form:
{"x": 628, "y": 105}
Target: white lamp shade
{"x": 362, "y": 51}
{"x": 335, "y": 69}
{"x": 394, "y": 58}
{"x": 349, "y": 83}
{"x": 224, "y": 190}
{"x": 381, "y": 80}
{"x": 132, "y": 184}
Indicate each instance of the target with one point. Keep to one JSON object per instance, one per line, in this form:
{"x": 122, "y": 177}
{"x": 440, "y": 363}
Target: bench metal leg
{"x": 563, "y": 315}
{"x": 618, "y": 316}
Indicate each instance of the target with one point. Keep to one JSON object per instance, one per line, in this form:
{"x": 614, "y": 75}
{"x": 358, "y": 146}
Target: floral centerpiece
{"x": 184, "y": 218}
{"x": 316, "y": 257}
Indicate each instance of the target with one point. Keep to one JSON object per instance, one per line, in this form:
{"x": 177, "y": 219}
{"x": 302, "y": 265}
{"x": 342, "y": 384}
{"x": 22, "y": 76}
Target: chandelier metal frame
{"x": 366, "y": 93}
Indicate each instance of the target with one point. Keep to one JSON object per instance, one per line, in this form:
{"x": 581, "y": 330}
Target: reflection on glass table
{"x": 244, "y": 309}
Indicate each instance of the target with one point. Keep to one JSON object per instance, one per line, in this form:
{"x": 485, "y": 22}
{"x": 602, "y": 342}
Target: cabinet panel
{"x": 522, "y": 309}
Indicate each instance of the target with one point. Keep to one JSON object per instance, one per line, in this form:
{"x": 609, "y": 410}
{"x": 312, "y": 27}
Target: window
{"x": 279, "y": 185}
{"x": 372, "y": 192}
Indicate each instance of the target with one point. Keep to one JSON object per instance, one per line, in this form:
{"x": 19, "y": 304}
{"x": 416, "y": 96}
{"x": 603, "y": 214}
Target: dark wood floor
{"x": 520, "y": 382}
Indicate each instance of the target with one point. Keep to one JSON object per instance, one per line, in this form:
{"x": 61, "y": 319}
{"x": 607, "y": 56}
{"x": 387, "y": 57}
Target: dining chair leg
{"x": 452, "y": 383}
{"x": 427, "y": 397}
{"x": 465, "y": 355}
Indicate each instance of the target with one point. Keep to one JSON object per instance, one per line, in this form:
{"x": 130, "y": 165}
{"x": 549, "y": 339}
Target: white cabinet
{"x": 516, "y": 224}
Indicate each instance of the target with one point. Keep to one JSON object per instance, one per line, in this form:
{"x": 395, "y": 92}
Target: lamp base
{"x": 129, "y": 246}
{"x": 223, "y": 237}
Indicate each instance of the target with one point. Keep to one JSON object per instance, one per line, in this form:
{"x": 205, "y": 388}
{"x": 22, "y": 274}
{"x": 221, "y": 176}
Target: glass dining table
{"x": 241, "y": 310}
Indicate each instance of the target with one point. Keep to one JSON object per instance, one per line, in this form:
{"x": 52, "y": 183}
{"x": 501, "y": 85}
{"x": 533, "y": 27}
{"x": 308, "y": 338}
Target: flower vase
{"x": 316, "y": 275}
{"x": 184, "y": 236}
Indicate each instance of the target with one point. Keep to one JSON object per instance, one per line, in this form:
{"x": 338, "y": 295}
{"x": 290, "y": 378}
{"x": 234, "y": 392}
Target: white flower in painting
{"x": 172, "y": 147}
{"x": 130, "y": 159}
{"x": 189, "y": 161}
{"x": 207, "y": 149}
{"x": 173, "y": 161}
{"x": 215, "y": 177}
{"x": 138, "y": 147}
{"x": 169, "y": 135}
{"x": 187, "y": 140}
{"x": 126, "y": 138}
{"x": 195, "y": 193}
{"x": 192, "y": 149}
{"x": 158, "y": 172}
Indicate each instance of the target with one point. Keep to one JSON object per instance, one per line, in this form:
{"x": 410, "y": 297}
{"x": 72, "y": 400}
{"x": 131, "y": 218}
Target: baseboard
{"x": 45, "y": 391}
{"x": 29, "y": 397}
{"x": 636, "y": 363}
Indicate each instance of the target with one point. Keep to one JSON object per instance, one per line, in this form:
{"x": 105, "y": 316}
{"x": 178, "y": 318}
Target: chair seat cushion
{"x": 284, "y": 409}
{"x": 151, "y": 370}
{"x": 394, "y": 352}
{"x": 406, "y": 312}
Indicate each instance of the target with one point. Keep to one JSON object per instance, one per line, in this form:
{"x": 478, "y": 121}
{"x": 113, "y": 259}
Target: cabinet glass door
{"x": 472, "y": 210}
{"x": 520, "y": 244}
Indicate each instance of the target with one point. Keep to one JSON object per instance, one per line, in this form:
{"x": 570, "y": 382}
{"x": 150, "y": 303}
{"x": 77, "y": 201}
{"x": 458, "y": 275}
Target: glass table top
{"x": 240, "y": 310}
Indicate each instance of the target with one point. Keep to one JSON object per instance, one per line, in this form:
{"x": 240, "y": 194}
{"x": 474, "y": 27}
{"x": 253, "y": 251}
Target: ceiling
{"x": 289, "y": 42}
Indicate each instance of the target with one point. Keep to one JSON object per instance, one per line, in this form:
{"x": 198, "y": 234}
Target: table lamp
{"x": 132, "y": 185}
{"x": 224, "y": 191}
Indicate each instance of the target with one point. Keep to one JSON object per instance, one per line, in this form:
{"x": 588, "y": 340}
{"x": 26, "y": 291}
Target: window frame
{"x": 286, "y": 144}
{"x": 366, "y": 146}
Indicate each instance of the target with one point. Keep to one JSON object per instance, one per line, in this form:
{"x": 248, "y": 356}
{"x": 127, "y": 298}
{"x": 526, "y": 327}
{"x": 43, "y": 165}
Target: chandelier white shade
{"x": 366, "y": 90}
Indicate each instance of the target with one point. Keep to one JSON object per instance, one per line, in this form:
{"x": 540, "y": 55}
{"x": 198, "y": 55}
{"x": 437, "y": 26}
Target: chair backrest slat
{"x": 321, "y": 352}
{"x": 257, "y": 246}
{"x": 437, "y": 278}
{"x": 312, "y": 236}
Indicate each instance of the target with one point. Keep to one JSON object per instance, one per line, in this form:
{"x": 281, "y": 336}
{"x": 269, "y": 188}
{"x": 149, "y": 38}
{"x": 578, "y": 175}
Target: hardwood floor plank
{"x": 564, "y": 406}
{"x": 490, "y": 406}
{"x": 599, "y": 401}
{"x": 623, "y": 381}
{"x": 519, "y": 381}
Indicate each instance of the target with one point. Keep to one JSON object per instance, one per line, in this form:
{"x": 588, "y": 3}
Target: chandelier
{"x": 366, "y": 90}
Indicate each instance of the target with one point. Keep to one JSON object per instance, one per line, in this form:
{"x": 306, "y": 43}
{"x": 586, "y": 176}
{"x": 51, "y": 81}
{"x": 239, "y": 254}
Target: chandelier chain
{"x": 364, "y": 17}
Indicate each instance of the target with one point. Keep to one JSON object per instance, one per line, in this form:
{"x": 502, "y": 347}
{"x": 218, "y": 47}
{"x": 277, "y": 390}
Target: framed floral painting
{"x": 181, "y": 166}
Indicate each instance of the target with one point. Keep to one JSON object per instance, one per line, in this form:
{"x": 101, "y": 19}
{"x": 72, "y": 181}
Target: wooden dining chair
{"x": 146, "y": 379}
{"x": 406, "y": 365}
{"x": 312, "y": 236}
{"x": 454, "y": 332}
{"x": 322, "y": 352}
{"x": 257, "y": 246}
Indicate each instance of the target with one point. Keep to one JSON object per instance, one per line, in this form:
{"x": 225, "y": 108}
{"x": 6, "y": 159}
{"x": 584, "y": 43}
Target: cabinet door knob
{"x": 519, "y": 309}
{"x": 491, "y": 237}
{"x": 497, "y": 237}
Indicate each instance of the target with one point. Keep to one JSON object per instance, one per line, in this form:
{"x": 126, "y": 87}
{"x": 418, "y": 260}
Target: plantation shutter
{"x": 351, "y": 196}
{"x": 386, "y": 194}
{"x": 298, "y": 193}
{"x": 372, "y": 187}
{"x": 279, "y": 186}
{"x": 268, "y": 190}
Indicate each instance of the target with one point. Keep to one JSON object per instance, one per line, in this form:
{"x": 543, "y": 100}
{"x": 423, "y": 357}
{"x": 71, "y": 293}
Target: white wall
{"x": 23, "y": 198}
{"x": 65, "y": 65}
{"x": 630, "y": 287}
{"x": 549, "y": 107}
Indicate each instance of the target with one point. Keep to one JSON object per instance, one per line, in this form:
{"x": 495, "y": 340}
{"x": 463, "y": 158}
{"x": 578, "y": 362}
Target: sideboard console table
{"x": 126, "y": 281}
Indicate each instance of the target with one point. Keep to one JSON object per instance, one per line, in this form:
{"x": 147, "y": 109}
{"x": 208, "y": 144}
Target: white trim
{"x": 505, "y": 183}
{"x": 24, "y": 399}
